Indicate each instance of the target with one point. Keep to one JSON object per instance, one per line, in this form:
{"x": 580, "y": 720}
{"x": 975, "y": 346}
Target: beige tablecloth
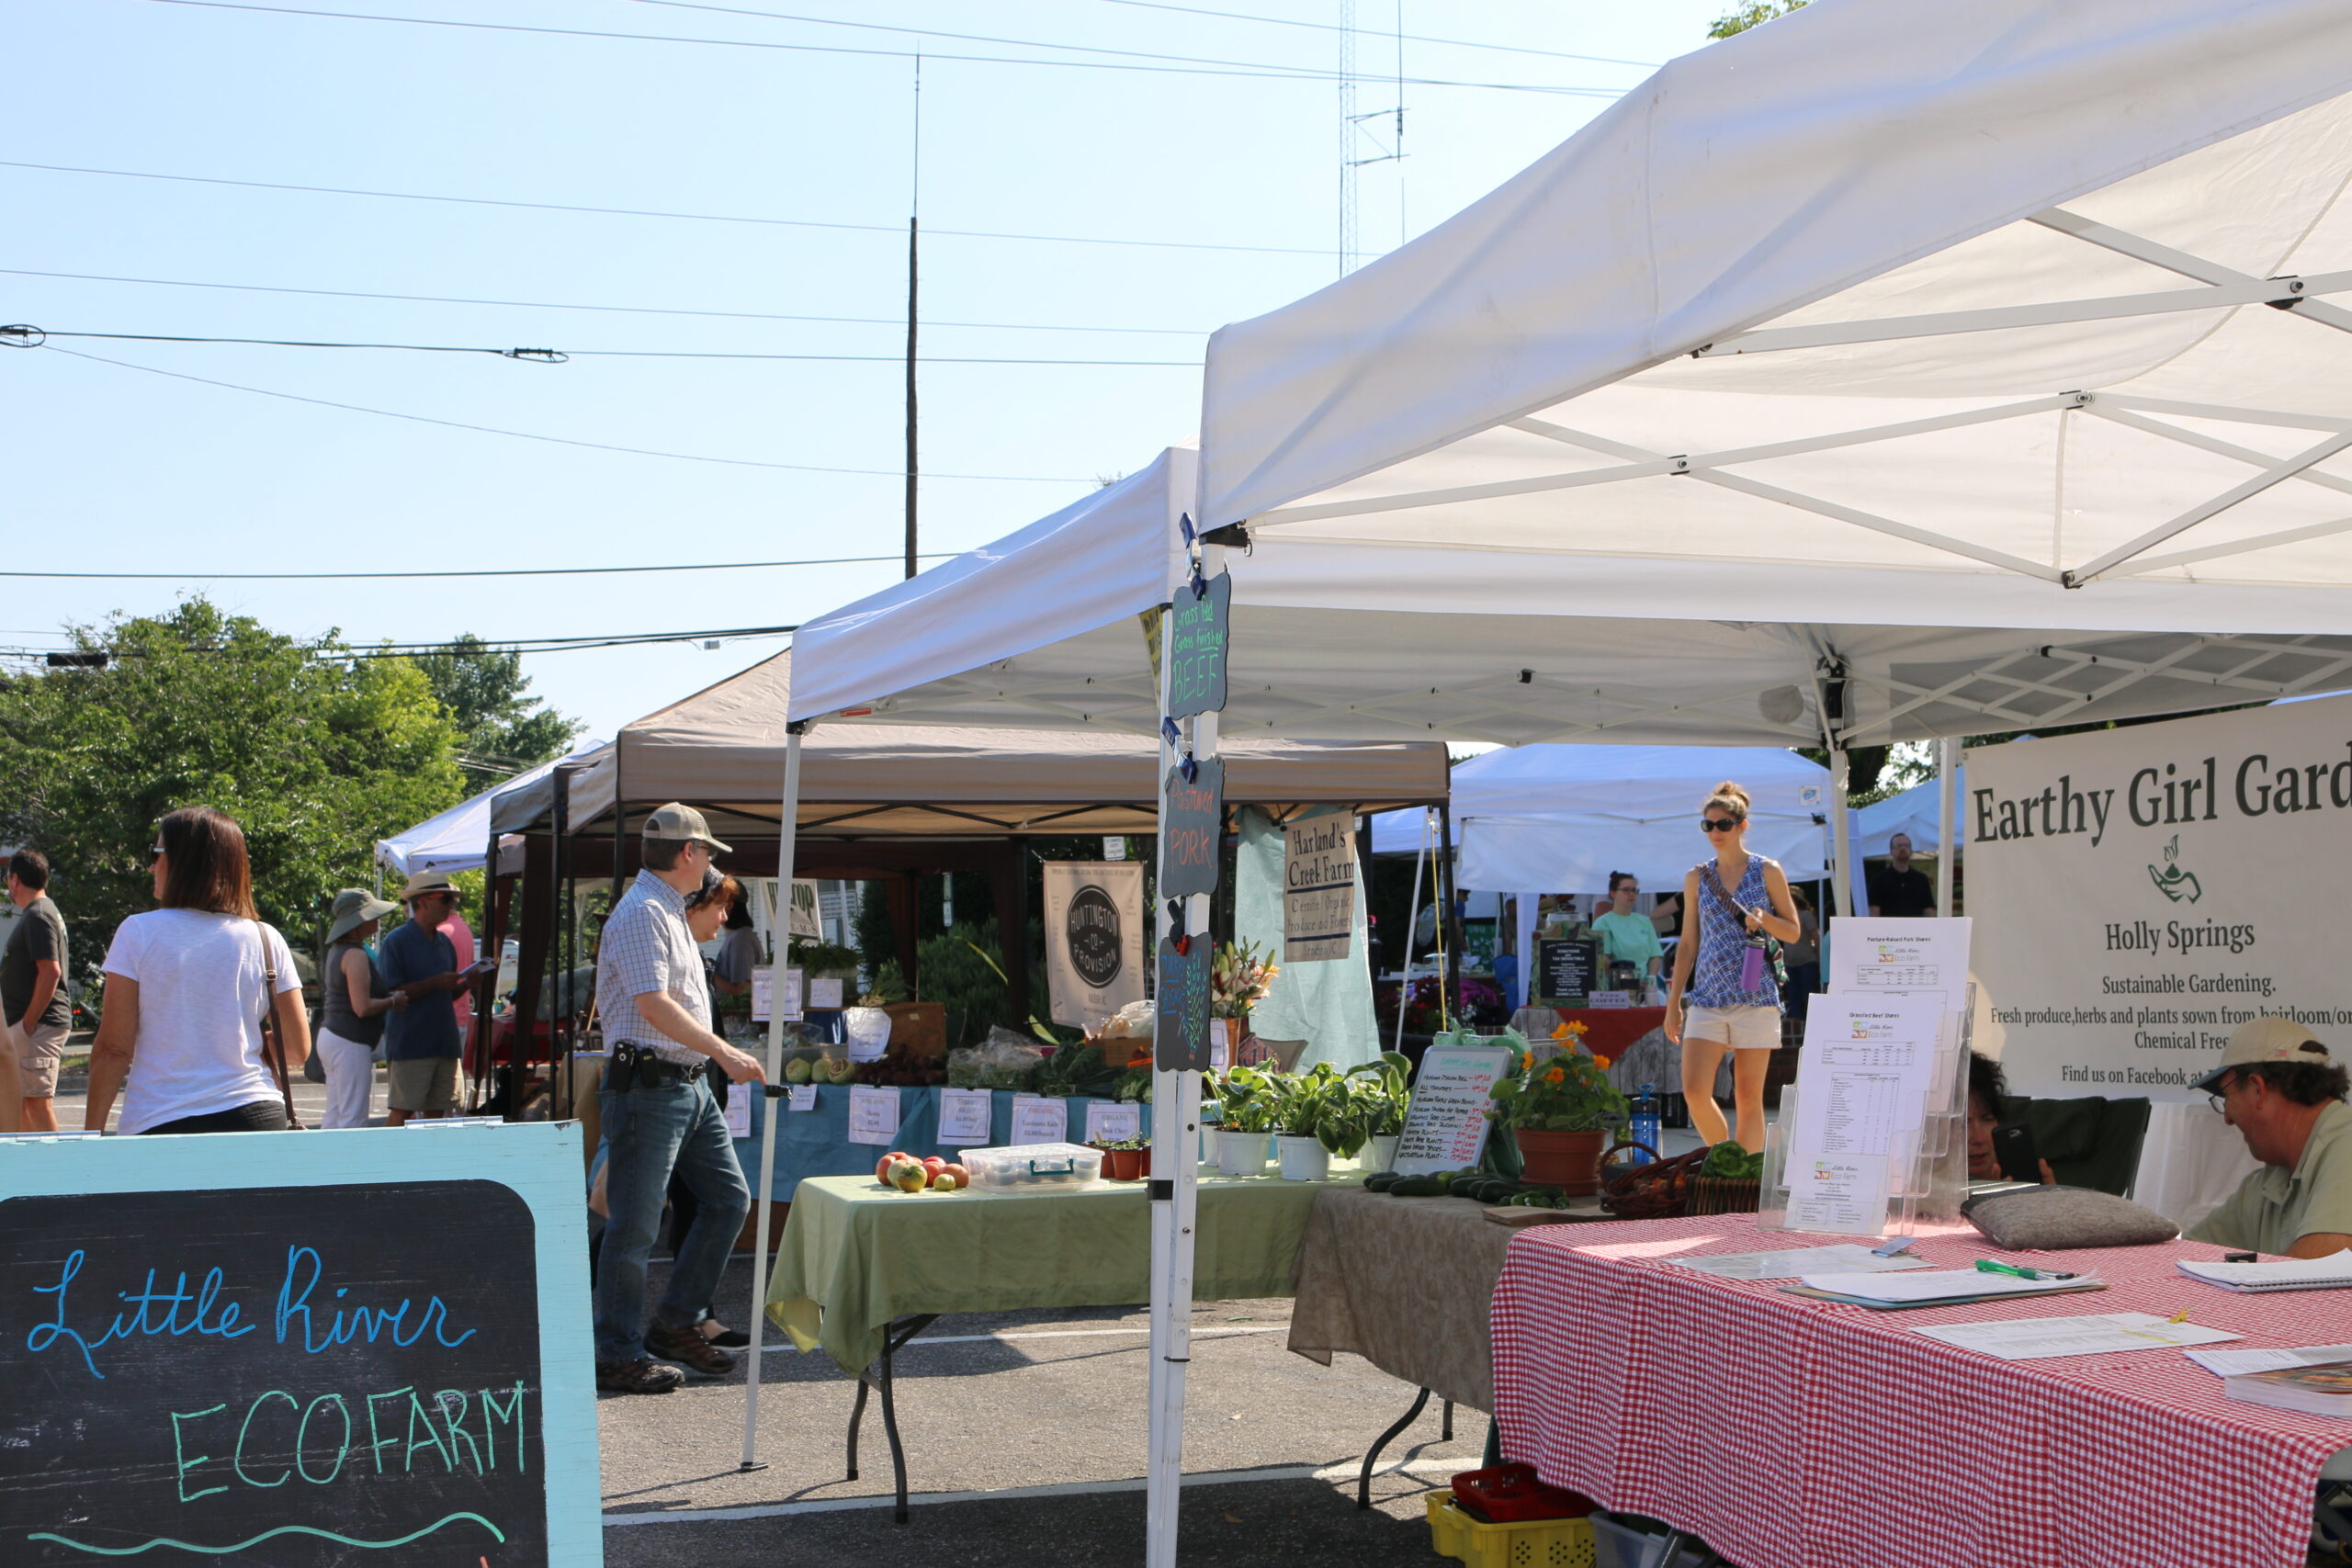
{"x": 1404, "y": 1283}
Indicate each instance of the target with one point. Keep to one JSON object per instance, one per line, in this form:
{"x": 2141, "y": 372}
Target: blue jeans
{"x": 648, "y": 1132}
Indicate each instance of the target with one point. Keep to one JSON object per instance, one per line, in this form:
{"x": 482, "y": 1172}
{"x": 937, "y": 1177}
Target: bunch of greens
{"x": 1730, "y": 1162}
{"x": 1134, "y": 1085}
{"x": 1076, "y": 1070}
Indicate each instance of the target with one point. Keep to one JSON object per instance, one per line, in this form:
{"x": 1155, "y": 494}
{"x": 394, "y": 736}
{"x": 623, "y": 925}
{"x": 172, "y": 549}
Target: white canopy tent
{"x": 458, "y": 839}
{"x": 1891, "y": 371}
{"x": 1914, "y": 812}
{"x": 1560, "y": 818}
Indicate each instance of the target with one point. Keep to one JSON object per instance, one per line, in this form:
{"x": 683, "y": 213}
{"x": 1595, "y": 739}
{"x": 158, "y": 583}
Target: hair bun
{"x": 1730, "y": 797}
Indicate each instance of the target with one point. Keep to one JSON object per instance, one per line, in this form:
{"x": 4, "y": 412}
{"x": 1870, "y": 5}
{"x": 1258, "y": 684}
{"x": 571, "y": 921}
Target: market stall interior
{"x": 1885, "y": 419}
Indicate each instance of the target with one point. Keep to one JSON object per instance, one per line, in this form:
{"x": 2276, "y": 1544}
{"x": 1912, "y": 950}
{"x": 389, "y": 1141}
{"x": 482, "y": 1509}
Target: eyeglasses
{"x": 2218, "y": 1096}
{"x": 1713, "y": 826}
{"x": 155, "y": 854}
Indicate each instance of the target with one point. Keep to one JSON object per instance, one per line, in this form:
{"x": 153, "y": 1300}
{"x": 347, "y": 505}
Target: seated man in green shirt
{"x": 2278, "y": 1087}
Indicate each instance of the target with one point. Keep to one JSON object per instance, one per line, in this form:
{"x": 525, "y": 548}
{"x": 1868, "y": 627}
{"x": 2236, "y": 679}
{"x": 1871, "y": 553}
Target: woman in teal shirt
{"x": 1625, "y": 936}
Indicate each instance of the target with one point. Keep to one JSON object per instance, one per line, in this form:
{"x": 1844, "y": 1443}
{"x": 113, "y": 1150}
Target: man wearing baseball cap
{"x": 422, "y": 1045}
{"x": 659, "y": 1118}
{"x": 2279, "y": 1088}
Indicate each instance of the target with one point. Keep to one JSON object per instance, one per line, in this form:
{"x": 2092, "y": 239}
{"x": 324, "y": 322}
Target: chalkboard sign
{"x": 1179, "y": 1042}
{"x": 287, "y": 1371}
{"x": 1192, "y": 828}
{"x": 1567, "y": 969}
{"x": 1196, "y": 646}
{"x": 1445, "y": 1126}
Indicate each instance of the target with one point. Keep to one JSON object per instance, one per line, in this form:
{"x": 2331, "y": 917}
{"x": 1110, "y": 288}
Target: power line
{"x": 1243, "y": 69}
{"x": 1409, "y": 38}
{"x": 22, "y": 335}
{"x": 622, "y": 309}
{"x": 402, "y": 576}
{"x": 511, "y": 645}
{"x": 891, "y": 228}
{"x": 530, "y": 435}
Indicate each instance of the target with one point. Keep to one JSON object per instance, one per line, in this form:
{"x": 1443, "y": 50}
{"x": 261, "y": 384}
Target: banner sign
{"x": 2140, "y": 893}
{"x": 1318, "y": 888}
{"x": 1093, "y": 938}
{"x": 299, "y": 1349}
{"x": 1192, "y": 828}
{"x": 1196, "y": 644}
{"x": 1181, "y": 1030}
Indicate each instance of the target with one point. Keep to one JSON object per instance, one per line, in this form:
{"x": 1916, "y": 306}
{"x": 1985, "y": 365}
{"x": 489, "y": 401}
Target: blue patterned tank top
{"x": 1723, "y": 945}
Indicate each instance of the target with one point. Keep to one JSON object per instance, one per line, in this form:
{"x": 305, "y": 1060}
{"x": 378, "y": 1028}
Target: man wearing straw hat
{"x": 421, "y": 1044}
{"x": 660, "y": 1117}
{"x": 353, "y": 1001}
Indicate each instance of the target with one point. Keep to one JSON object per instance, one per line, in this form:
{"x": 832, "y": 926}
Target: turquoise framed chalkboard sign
{"x": 298, "y": 1351}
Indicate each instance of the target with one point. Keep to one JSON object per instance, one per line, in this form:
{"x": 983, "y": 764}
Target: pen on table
{"x": 1986, "y": 1265}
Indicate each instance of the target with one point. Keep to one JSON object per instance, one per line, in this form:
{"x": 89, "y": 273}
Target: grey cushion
{"x": 2056, "y": 1218}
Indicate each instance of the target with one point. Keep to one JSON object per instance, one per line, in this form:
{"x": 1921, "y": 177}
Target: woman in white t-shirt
{"x": 187, "y": 987}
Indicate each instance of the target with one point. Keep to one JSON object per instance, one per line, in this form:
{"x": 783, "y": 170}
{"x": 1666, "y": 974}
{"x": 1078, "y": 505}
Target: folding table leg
{"x": 890, "y": 1429}
{"x": 856, "y": 1413}
{"x": 1364, "y": 1479}
{"x": 1446, "y": 1433}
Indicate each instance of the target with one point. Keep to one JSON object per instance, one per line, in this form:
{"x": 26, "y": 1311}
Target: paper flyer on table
{"x": 1839, "y": 1196}
{"x": 1943, "y": 1285}
{"x": 1878, "y": 954}
{"x": 2031, "y": 1339}
{"x": 1864, "y": 1077}
{"x": 2239, "y": 1363}
{"x": 1845, "y": 1257}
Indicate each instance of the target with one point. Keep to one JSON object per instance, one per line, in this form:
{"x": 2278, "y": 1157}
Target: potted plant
{"x": 1239, "y": 976}
{"x": 1246, "y": 1098}
{"x": 1559, "y": 1111}
{"x": 1381, "y": 1091}
{"x": 865, "y": 1023}
{"x": 1123, "y": 1158}
{"x": 1318, "y": 1113}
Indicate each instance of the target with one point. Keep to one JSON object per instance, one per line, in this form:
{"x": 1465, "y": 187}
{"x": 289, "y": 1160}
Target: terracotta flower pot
{"x": 1570, "y": 1161}
{"x": 1119, "y": 1165}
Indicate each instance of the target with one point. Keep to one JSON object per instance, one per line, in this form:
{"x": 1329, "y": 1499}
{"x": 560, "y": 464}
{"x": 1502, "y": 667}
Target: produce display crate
{"x": 921, "y": 1027}
{"x": 1535, "y": 1543}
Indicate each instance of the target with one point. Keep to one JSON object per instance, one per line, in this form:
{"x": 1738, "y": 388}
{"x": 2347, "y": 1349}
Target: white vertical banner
{"x": 2140, "y": 893}
{"x": 1093, "y": 938}
{"x": 1318, "y": 888}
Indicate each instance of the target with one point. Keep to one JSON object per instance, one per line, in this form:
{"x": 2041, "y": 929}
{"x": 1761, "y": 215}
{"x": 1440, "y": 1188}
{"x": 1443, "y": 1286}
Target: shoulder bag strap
{"x": 273, "y": 1042}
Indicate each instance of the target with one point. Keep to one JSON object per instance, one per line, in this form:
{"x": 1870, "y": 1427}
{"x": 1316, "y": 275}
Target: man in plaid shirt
{"x": 660, "y": 1117}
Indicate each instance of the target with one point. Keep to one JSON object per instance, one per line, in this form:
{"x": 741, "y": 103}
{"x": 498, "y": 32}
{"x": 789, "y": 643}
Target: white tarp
{"x": 1913, "y": 812}
{"x": 458, "y": 839}
{"x": 2139, "y": 893}
{"x": 1560, "y": 818}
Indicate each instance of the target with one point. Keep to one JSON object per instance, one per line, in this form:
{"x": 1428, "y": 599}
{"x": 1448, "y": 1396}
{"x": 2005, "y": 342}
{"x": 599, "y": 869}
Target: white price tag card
{"x": 804, "y": 1096}
{"x": 1108, "y": 1121}
{"x": 1038, "y": 1119}
{"x": 825, "y": 992}
{"x": 962, "y": 1116}
{"x": 872, "y": 1114}
{"x": 764, "y": 995}
{"x": 739, "y": 1111}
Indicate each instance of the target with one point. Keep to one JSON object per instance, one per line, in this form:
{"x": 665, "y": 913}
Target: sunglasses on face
{"x": 1713, "y": 826}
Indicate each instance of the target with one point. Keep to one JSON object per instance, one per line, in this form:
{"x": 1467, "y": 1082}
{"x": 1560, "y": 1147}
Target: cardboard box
{"x": 919, "y": 1027}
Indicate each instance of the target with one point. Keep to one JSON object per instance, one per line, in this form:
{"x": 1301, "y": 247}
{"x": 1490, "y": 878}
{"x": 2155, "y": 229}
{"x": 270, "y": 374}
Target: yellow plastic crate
{"x": 1537, "y": 1543}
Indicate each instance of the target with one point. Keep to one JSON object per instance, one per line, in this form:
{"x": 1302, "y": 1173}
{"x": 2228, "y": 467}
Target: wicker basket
{"x": 1716, "y": 1195}
{"x": 1652, "y": 1192}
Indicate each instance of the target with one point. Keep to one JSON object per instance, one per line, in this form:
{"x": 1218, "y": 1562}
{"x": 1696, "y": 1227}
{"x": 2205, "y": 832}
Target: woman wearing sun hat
{"x": 351, "y": 1022}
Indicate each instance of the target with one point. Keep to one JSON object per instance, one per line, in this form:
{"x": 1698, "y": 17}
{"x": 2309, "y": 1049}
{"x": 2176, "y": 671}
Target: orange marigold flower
{"x": 1577, "y": 1027}
{"x": 1556, "y": 1075}
{"x": 1600, "y": 1062}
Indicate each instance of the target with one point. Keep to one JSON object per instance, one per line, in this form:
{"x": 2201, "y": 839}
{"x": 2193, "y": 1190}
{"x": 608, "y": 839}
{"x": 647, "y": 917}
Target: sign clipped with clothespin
{"x": 1191, "y": 827}
{"x": 1196, "y": 645}
{"x": 1181, "y": 1030}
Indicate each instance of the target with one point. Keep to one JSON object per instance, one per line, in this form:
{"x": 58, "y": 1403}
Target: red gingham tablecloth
{"x": 1790, "y": 1433}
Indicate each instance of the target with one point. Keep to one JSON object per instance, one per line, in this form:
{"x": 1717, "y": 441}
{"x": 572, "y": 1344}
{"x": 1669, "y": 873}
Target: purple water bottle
{"x": 1751, "y": 962}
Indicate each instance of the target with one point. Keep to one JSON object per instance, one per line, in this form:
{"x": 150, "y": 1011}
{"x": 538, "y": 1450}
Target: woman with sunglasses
{"x": 187, "y": 985}
{"x": 1730, "y": 904}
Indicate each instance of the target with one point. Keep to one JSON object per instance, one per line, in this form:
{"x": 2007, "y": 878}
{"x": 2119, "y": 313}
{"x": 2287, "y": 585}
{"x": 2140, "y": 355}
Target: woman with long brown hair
{"x": 187, "y": 986}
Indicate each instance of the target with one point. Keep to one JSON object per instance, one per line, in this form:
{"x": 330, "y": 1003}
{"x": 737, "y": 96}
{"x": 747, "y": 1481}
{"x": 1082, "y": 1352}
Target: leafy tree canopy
{"x": 1754, "y": 14}
{"x": 501, "y": 731}
{"x": 316, "y": 753}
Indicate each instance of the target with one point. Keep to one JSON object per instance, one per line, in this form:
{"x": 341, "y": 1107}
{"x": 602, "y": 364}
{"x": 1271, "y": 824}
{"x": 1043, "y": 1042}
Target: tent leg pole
{"x": 1412, "y": 914}
{"x": 1946, "y": 797}
{"x": 1851, "y": 900}
{"x": 787, "y": 833}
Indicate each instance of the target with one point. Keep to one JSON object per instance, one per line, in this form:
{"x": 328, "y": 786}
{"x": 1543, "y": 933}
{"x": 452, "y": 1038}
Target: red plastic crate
{"x": 1509, "y": 1493}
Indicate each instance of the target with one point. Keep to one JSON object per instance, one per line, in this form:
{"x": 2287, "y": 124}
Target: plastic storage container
{"x": 1034, "y": 1167}
{"x": 1538, "y": 1544}
{"x": 1510, "y": 1494}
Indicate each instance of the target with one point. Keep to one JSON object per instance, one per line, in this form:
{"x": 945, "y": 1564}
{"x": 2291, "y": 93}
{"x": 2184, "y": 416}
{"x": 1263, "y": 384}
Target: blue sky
{"x": 121, "y": 470}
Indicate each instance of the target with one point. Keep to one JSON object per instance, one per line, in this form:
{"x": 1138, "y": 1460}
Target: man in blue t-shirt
{"x": 420, "y": 1044}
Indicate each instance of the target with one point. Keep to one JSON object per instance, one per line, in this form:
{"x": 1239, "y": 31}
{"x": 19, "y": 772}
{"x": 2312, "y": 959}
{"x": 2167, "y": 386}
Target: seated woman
{"x": 1987, "y": 1088}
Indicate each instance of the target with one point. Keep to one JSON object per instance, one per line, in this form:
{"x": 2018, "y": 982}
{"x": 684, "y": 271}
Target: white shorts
{"x": 1741, "y": 1028}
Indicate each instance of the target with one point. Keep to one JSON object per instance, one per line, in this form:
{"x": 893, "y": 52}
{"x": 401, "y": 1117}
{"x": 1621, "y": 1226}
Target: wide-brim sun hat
{"x": 425, "y": 882}
{"x": 355, "y": 907}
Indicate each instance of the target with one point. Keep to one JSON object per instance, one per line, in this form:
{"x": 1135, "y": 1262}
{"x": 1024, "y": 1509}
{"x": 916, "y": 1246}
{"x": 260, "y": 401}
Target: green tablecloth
{"x": 854, "y": 1255}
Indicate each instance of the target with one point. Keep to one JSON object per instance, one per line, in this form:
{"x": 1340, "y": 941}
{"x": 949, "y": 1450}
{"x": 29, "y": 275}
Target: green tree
{"x": 501, "y": 731}
{"x": 1754, "y": 14}
{"x": 316, "y": 750}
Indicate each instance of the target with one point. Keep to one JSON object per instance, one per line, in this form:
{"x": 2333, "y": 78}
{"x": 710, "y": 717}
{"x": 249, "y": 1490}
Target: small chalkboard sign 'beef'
{"x": 310, "y": 1377}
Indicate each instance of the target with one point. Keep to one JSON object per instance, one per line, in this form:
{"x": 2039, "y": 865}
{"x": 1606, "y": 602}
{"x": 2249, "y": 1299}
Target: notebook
{"x": 2317, "y": 1391}
{"x": 1939, "y": 1286}
{"x": 2332, "y": 1273}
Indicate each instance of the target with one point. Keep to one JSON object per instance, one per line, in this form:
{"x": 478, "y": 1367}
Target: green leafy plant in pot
{"x": 1247, "y": 1100}
{"x": 1560, "y": 1111}
{"x": 1380, "y": 1089}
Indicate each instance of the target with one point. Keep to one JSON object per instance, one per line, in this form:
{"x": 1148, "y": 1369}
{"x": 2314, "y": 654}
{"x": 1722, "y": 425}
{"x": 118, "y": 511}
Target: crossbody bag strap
{"x": 273, "y": 1039}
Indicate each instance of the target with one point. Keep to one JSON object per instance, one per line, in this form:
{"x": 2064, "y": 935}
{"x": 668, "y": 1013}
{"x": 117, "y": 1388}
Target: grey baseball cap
{"x": 677, "y": 821}
{"x": 2266, "y": 1040}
